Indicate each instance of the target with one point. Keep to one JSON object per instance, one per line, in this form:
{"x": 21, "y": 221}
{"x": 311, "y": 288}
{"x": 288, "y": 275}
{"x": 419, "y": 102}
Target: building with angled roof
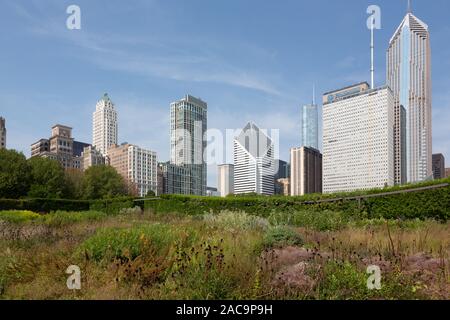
{"x": 409, "y": 77}
{"x": 253, "y": 162}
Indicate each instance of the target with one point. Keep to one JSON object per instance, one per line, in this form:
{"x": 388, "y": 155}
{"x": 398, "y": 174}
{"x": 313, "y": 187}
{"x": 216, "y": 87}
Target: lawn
{"x": 230, "y": 255}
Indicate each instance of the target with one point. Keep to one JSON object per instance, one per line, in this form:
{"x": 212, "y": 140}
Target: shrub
{"x": 114, "y": 243}
{"x": 280, "y": 236}
{"x": 237, "y": 221}
{"x": 61, "y": 218}
{"x": 130, "y": 211}
{"x": 16, "y": 216}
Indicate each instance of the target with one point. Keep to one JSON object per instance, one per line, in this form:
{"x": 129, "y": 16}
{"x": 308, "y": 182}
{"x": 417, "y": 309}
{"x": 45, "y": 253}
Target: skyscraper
{"x": 137, "y": 166}
{"x": 225, "y": 179}
{"x": 188, "y": 125}
{"x": 309, "y": 125}
{"x": 358, "y": 138}
{"x": 105, "y": 127}
{"x": 306, "y": 171}
{"x": 2, "y": 133}
{"x": 253, "y": 162}
{"x": 409, "y": 77}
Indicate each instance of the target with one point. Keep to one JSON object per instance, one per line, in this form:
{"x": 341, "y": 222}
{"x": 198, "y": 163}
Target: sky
{"x": 250, "y": 60}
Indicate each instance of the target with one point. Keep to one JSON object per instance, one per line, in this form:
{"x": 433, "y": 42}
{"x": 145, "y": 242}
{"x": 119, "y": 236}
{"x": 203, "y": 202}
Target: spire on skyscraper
{"x": 409, "y": 6}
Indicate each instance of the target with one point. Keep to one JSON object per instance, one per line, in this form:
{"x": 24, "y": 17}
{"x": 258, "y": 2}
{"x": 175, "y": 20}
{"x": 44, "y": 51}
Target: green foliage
{"x": 150, "y": 194}
{"x": 103, "y": 182}
{"x": 47, "y": 179}
{"x": 63, "y": 218}
{"x": 113, "y": 206}
{"x": 44, "y": 205}
{"x": 232, "y": 221}
{"x": 16, "y": 216}
{"x": 425, "y": 204}
{"x": 14, "y": 174}
{"x": 113, "y": 243}
{"x": 280, "y": 236}
{"x": 343, "y": 281}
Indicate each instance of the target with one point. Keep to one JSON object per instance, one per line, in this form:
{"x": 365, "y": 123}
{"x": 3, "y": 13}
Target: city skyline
{"x": 143, "y": 112}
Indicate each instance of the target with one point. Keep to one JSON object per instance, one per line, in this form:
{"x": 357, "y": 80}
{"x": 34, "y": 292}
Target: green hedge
{"x": 433, "y": 204}
{"x": 48, "y": 205}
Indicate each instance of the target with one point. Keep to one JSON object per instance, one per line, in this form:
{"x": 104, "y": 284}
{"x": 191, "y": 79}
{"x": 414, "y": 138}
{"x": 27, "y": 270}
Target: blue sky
{"x": 249, "y": 59}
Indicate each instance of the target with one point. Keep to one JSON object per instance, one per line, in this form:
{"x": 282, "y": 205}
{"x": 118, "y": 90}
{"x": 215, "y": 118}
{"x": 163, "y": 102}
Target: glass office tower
{"x": 409, "y": 77}
{"x": 309, "y": 126}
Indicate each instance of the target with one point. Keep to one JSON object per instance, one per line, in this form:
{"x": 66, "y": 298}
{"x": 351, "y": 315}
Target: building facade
{"x": 409, "y": 77}
{"x": 438, "y": 166}
{"x": 91, "y": 157}
{"x": 306, "y": 171}
{"x": 358, "y": 139}
{"x": 136, "y": 165}
{"x": 59, "y": 147}
{"x": 282, "y": 171}
{"x": 225, "y": 179}
{"x": 188, "y": 125}
{"x": 105, "y": 125}
{"x": 2, "y": 133}
{"x": 284, "y": 185}
{"x": 253, "y": 162}
{"x": 174, "y": 179}
{"x": 309, "y": 126}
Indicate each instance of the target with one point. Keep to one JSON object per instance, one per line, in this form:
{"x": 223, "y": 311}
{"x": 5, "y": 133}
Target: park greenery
{"x": 136, "y": 254}
{"x": 45, "y": 179}
{"x": 238, "y": 247}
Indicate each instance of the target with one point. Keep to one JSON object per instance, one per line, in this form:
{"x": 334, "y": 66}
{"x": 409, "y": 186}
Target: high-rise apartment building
{"x": 188, "y": 125}
{"x": 253, "y": 162}
{"x": 306, "y": 171}
{"x": 225, "y": 179}
{"x": 358, "y": 138}
{"x": 2, "y": 133}
{"x": 174, "y": 179}
{"x": 309, "y": 126}
{"x": 105, "y": 125}
{"x": 438, "y": 166}
{"x": 136, "y": 165}
{"x": 409, "y": 77}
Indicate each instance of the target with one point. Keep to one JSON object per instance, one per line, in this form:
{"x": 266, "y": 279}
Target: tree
{"x": 14, "y": 174}
{"x": 74, "y": 183}
{"x": 47, "y": 179}
{"x": 150, "y": 193}
{"x": 102, "y": 182}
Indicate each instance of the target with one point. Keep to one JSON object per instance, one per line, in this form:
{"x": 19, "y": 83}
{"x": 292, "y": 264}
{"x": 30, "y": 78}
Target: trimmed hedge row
{"x": 48, "y": 205}
{"x": 433, "y": 204}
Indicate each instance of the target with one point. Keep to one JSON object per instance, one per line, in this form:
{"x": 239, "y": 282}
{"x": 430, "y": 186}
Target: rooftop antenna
{"x": 409, "y": 6}
{"x": 372, "y": 65}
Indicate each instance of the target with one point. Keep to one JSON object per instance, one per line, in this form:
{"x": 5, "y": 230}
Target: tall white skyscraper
{"x": 188, "y": 125}
{"x": 105, "y": 126}
{"x": 409, "y": 77}
{"x": 358, "y": 139}
{"x": 225, "y": 179}
{"x": 253, "y": 162}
